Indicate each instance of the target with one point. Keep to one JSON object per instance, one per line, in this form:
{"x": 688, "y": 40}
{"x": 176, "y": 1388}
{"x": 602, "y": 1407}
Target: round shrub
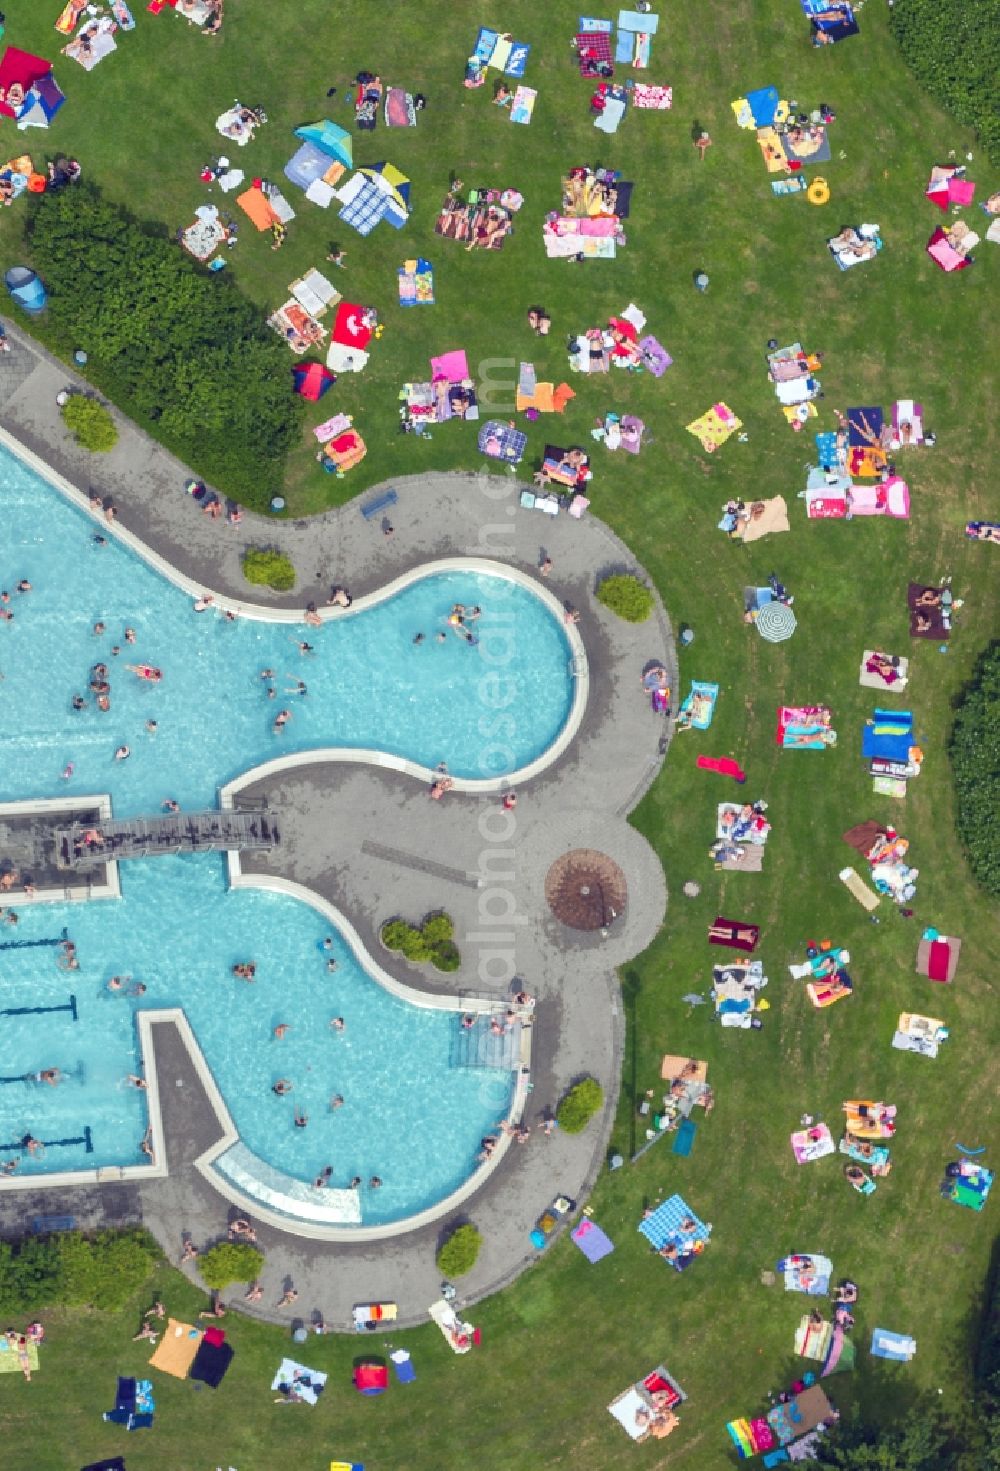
{"x": 438, "y": 928}
{"x": 230, "y": 1261}
{"x": 446, "y": 956}
{"x": 577, "y": 1109}
{"x": 458, "y": 1254}
{"x": 430, "y": 942}
{"x": 626, "y": 596}
{"x": 89, "y": 423}
{"x": 267, "y": 568}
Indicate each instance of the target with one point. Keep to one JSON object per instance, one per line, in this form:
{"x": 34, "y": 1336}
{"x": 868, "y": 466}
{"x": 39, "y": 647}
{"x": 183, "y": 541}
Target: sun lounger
{"x": 403, "y": 1365}
{"x": 458, "y": 1335}
{"x": 369, "y": 1315}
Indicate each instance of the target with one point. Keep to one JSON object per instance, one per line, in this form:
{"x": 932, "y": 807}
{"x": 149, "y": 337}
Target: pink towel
{"x": 938, "y": 960}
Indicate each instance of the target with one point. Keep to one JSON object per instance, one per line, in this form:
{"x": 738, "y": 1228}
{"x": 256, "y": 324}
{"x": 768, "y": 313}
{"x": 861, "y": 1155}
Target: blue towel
{"x": 684, "y": 1138}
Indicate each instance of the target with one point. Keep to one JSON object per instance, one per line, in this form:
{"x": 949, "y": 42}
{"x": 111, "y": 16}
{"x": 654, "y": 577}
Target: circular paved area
{"x": 362, "y": 838}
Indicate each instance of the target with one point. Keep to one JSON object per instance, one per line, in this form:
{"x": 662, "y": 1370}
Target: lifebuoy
{"x": 818, "y": 192}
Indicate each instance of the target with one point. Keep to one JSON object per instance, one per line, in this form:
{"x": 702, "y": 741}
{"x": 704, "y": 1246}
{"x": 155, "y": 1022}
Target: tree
{"x": 183, "y": 352}
{"x": 922, "y": 1443}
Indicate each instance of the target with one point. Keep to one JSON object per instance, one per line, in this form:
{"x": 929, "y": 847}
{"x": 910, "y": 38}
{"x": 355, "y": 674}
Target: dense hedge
{"x": 975, "y": 760}
{"x": 577, "y": 1109}
{"x": 458, "y": 1254}
{"x": 430, "y": 942}
{"x": 626, "y": 596}
{"x": 102, "y": 1271}
{"x": 230, "y": 1261}
{"x": 181, "y": 351}
{"x": 89, "y": 423}
{"x": 268, "y": 568}
{"x": 952, "y": 46}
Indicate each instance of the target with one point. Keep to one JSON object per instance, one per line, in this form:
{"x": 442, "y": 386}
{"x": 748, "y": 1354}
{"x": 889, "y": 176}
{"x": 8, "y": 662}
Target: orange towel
{"x": 561, "y": 397}
{"x": 254, "y": 204}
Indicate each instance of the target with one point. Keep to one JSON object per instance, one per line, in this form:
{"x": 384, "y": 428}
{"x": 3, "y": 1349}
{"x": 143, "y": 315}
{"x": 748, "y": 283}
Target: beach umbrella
{"x": 775, "y": 622}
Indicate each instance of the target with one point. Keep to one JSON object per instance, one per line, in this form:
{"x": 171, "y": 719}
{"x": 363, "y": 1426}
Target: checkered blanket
{"x": 502, "y": 441}
{"x": 593, "y": 47}
{"x": 366, "y": 209}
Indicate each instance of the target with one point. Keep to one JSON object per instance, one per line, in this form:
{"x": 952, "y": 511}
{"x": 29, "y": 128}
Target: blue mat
{"x": 684, "y": 1138}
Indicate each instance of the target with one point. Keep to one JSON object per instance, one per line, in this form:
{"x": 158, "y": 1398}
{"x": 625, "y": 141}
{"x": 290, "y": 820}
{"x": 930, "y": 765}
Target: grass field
{"x": 563, "y": 1341}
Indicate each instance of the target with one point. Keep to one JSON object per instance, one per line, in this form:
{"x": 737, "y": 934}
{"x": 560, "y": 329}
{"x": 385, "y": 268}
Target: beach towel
{"x": 684, "y": 1138}
{"x": 452, "y": 366}
{"x": 923, "y": 1034}
{"x": 591, "y": 1240}
{"x": 502, "y": 441}
{"x": 944, "y": 254}
{"x": 66, "y": 24}
{"x": 11, "y": 1358}
{"x": 93, "y": 42}
{"x": 607, "y": 120}
{"x": 523, "y": 105}
{"x": 212, "y": 1361}
{"x": 402, "y": 1363}
{"x": 856, "y": 886}
{"x": 674, "y": 1229}
{"x": 593, "y": 50}
{"x": 805, "y": 727}
{"x": 459, "y": 1336}
{"x": 930, "y": 611}
{"x": 654, "y": 356}
{"x": 257, "y": 207}
{"x": 399, "y": 109}
{"x": 674, "y": 1063}
{"x": 733, "y": 934}
{"x": 698, "y": 706}
{"x": 724, "y": 765}
{"x": 176, "y": 1350}
{"x": 898, "y": 1346}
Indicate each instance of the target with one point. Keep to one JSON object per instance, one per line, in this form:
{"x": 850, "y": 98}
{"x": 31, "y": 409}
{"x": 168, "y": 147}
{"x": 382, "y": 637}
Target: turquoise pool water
{"x": 408, "y": 1116}
{"x": 368, "y": 684}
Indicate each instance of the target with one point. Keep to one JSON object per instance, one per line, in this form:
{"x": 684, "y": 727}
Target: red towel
{"x": 215, "y": 1336}
{"x": 725, "y": 764}
{"x": 938, "y": 960}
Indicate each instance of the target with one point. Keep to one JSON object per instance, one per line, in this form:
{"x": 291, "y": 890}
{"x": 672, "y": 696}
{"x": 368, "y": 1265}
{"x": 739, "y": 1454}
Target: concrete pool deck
{"x": 367, "y": 840}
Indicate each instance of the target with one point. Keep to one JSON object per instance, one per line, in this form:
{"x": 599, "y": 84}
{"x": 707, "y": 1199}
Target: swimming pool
{"x": 369, "y": 685}
{"x": 408, "y": 1116}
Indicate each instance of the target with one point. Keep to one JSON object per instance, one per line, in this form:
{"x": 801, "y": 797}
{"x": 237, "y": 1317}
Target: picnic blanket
{"x": 805, "y": 728}
{"x": 298, "y": 1382}
{"x": 937, "y": 957}
{"x": 952, "y": 254}
{"x": 806, "y": 1272}
{"x": 594, "y": 238}
{"x": 766, "y": 518}
{"x": 646, "y": 1408}
{"x": 459, "y": 1336}
{"x": 930, "y": 611}
{"x": 896, "y": 679}
{"x": 202, "y": 238}
{"x": 715, "y": 427}
{"x": 854, "y": 245}
{"x": 736, "y": 988}
{"x": 299, "y": 328}
{"x": 814, "y": 1143}
{"x": 176, "y": 1350}
{"x": 416, "y": 283}
{"x": 916, "y": 1033}
{"x": 649, "y": 97}
{"x": 502, "y": 442}
{"x": 93, "y": 42}
{"x": 676, "y": 1233}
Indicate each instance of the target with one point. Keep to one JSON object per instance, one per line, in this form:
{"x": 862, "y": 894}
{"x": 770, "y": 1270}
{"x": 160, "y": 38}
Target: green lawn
{"x": 567, "y": 1337}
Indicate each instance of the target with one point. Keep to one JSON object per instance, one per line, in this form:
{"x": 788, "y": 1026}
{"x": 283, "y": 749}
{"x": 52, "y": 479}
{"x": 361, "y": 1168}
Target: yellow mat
{"x": 176, "y": 1349}
{"x": 774, "y": 154}
{"x": 10, "y": 1358}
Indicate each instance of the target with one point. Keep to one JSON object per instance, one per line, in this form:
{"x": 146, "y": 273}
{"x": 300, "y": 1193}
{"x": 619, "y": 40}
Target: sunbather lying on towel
{"x": 826, "y": 992}
{"x": 983, "y": 530}
{"x": 885, "y": 666}
{"x": 851, "y": 246}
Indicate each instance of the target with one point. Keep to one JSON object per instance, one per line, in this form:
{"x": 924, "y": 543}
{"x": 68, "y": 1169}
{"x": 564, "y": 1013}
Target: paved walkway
{"x": 370, "y": 842}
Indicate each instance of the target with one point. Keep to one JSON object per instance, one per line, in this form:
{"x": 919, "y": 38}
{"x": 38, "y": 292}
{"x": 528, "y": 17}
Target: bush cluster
{"x": 89, "y": 423}
{"x": 458, "y": 1254}
{"x": 230, "y": 1261}
{"x": 577, "y": 1109}
{"x": 101, "y": 1271}
{"x": 183, "y": 352}
{"x": 268, "y": 568}
{"x": 974, "y": 749}
{"x": 430, "y": 943}
{"x": 952, "y": 48}
{"x": 626, "y": 596}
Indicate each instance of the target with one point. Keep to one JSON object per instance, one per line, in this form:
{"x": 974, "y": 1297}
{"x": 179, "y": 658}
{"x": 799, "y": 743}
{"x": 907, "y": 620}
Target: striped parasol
{"x": 775, "y": 622}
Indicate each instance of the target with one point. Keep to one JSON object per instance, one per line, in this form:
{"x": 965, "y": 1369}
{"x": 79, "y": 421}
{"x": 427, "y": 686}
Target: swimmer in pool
{"x": 281, "y": 1087}
{"x": 281, "y": 1030}
{"x": 337, "y": 1101}
{"x": 338, "y": 1024}
{"x": 323, "y": 1178}
{"x": 118, "y": 983}
{"x": 301, "y": 1119}
{"x": 281, "y": 720}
